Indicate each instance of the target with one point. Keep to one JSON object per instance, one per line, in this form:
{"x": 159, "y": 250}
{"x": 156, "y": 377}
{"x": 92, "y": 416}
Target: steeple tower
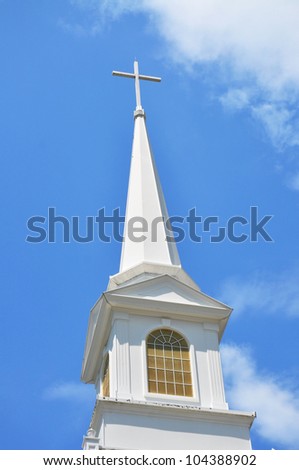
{"x": 152, "y": 347}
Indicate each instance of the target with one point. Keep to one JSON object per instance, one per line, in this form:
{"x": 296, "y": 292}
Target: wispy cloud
{"x": 253, "y": 45}
{"x": 236, "y": 99}
{"x": 276, "y": 403}
{"x": 264, "y": 293}
{"x": 70, "y": 391}
{"x": 94, "y": 15}
{"x": 257, "y": 39}
{"x": 279, "y": 118}
{"x": 293, "y": 181}
{"x": 280, "y": 123}
{"x": 74, "y": 28}
{"x": 253, "y": 36}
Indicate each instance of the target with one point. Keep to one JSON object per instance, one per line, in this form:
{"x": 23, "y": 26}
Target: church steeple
{"x": 152, "y": 346}
{"x": 148, "y": 237}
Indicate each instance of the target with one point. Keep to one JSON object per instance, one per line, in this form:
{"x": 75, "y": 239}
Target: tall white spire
{"x": 147, "y": 239}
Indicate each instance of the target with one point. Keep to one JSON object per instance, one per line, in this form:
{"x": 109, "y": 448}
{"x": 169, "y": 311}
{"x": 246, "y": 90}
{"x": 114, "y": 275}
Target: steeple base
{"x": 148, "y": 270}
{"x": 139, "y": 425}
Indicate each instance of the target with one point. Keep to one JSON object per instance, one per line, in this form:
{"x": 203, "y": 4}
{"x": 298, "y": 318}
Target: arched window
{"x": 168, "y": 363}
{"x": 105, "y": 379}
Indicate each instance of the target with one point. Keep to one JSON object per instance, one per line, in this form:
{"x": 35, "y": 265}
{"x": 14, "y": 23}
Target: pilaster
{"x": 214, "y": 366}
{"x": 121, "y": 353}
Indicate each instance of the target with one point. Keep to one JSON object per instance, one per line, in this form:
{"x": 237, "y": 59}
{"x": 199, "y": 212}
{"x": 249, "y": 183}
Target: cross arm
{"x": 123, "y": 74}
{"x": 132, "y": 75}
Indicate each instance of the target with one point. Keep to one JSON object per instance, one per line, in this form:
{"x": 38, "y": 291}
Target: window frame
{"x": 166, "y": 397}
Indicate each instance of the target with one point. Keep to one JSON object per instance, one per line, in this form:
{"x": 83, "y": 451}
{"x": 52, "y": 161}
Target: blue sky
{"x": 224, "y": 128}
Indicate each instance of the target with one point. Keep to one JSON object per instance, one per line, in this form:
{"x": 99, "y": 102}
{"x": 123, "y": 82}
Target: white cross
{"x": 137, "y": 77}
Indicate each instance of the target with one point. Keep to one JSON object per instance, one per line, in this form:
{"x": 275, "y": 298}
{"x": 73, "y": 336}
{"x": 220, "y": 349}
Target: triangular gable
{"x": 167, "y": 289}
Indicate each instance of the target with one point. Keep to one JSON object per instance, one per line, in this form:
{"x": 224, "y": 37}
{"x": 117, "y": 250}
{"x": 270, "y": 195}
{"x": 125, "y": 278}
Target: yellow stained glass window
{"x": 105, "y": 381}
{"x": 168, "y": 363}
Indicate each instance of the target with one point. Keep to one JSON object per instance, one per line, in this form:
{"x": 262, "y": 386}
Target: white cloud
{"x": 279, "y": 122}
{"x": 254, "y": 36}
{"x": 278, "y": 117}
{"x": 70, "y": 391}
{"x": 74, "y": 28}
{"x": 263, "y": 293}
{"x": 276, "y": 404}
{"x": 254, "y": 41}
{"x": 97, "y": 12}
{"x": 235, "y": 99}
{"x": 293, "y": 182}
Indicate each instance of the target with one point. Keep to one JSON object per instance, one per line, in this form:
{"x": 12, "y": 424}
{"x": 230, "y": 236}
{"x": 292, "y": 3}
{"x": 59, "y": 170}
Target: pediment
{"x": 168, "y": 290}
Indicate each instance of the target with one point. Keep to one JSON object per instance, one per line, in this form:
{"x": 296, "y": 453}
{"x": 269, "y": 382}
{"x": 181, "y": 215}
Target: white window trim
{"x": 162, "y": 397}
